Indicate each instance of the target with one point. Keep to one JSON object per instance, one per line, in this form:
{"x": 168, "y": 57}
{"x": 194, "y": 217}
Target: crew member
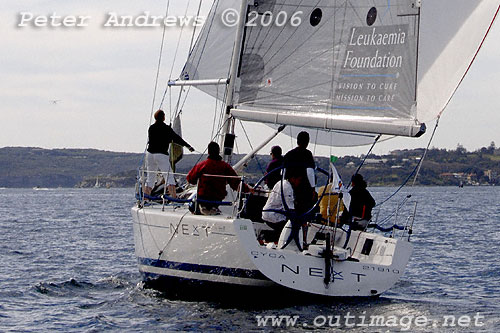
{"x": 210, "y": 177}
{"x": 359, "y": 213}
{"x": 300, "y": 161}
{"x": 160, "y": 136}
{"x": 273, "y": 170}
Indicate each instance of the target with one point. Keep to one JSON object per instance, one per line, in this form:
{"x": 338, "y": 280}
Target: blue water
{"x": 67, "y": 264}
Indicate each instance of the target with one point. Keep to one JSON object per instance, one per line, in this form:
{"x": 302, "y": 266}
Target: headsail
{"x": 452, "y": 32}
{"x": 211, "y": 54}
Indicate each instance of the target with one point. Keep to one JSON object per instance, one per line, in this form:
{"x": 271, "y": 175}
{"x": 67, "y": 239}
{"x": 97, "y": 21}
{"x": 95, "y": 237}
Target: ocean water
{"x": 67, "y": 264}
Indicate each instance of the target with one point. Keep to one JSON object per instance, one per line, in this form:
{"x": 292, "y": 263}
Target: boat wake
{"x": 74, "y": 287}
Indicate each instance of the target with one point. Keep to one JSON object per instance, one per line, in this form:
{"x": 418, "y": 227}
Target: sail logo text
{"x": 376, "y": 48}
{"x": 377, "y": 60}
{"x": 377, "y": 39}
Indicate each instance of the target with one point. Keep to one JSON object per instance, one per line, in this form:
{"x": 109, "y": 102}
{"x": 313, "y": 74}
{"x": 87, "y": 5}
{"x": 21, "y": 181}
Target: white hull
{"x": 203, "y": 248}
{"x": 177, "y": 244}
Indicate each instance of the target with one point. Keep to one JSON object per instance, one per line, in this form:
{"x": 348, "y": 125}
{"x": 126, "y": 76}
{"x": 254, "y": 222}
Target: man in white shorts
{"x": 160, "y": 136}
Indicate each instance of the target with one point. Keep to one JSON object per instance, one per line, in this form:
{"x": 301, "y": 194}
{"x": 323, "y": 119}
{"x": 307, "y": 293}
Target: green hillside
{"x": 30, "y": 167}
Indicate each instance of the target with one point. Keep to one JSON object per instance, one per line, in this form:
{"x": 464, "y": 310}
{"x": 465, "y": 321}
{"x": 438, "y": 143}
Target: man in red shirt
{"x": 209, "y": 175}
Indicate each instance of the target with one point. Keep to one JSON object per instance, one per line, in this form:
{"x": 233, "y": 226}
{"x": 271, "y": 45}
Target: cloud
{"x": 104, "y": 79}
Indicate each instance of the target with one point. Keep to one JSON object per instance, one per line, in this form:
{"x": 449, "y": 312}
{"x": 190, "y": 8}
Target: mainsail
{"x": 382, "y": 66}
{"x": 349, "y": 65}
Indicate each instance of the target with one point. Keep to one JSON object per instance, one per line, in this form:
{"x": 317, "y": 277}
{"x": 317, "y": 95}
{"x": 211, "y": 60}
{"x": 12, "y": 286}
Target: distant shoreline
{"x": 74, "y": 168}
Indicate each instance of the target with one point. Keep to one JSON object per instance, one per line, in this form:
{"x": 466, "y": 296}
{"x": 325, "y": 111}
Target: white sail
{"x": 349, "y": 65}
{"x": 210, "y": 57}
{"x": 333, "y": 138}
{"x": 452, "y": 32}
{"x": 331, "y": 73}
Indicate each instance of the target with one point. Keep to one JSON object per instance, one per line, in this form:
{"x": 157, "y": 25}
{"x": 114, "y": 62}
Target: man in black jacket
{"x": 160, "y": 136}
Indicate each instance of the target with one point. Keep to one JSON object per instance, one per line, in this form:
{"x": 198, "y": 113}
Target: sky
{"x": 103, "y": 79}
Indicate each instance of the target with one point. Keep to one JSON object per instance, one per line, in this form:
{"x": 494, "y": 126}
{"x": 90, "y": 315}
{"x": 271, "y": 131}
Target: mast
{"x": 227, "y": 134}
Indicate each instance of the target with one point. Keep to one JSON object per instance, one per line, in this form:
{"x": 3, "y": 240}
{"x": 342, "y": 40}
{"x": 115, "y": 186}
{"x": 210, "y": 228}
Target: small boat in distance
{"x": 38, "y": 188}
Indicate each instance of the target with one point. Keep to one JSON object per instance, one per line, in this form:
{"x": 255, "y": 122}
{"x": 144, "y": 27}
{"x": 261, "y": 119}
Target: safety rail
{"x": 187, "y": 196}
{"x": 400, "y": 221}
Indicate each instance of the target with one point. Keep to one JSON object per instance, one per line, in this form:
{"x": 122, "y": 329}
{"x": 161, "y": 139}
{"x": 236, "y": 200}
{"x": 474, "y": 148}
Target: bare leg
{"x": 171, "y": 191}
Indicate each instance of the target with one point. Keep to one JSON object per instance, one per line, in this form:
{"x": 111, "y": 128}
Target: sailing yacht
{"x": 347, "y": 71}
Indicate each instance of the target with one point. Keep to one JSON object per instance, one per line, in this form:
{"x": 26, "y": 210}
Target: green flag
{"x": 333, "y": 158}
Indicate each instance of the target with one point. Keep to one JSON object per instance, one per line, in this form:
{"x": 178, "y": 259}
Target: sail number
{"x": 278, "y": 19}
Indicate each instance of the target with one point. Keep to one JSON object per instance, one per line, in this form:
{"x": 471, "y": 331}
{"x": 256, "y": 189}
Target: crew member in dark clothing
{"x": 273, "y": 175}
{"x": 297, "y": 161}
{"x": 362, "y": 203}
{"x": 300, "y": 161}
{"x": 160, "y": 136}
{"x": 300, "y": 157}
{"x": 211, "y": 187}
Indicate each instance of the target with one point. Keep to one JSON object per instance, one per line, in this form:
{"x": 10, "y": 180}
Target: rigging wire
{"x": 191, "y": 43}
{"x": 416, "y": 170}
{"x": 251, "y": 147}
{"x": 160, "y": 253}
{"x": 425, "y": 152}
{"x": 213, "y": 138}
{"x": 315, "y": 142}
{"x": 160, "y": 57}
{"x": 215, "y": 110}
{"x": 194, "y": 29}
{"x": 158, "y": 69}
{"x": 178, "y": 43}
{"x": 174, "y": 60}
{"x": 366, "y": 156}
